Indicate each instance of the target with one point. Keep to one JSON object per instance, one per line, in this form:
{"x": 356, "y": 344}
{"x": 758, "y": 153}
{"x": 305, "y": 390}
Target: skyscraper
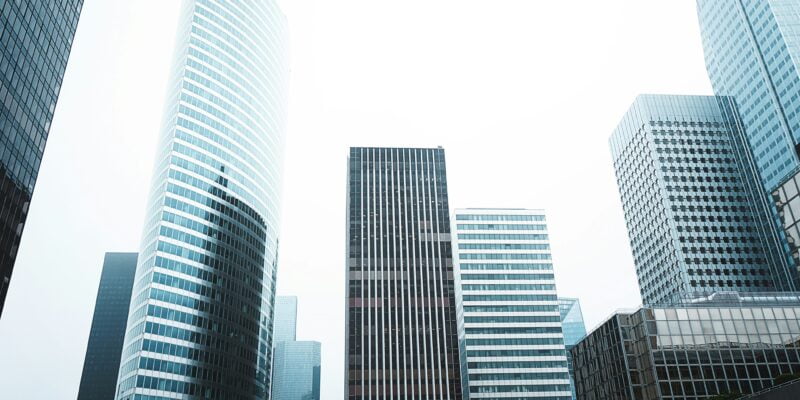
{"x": 297, "y": 370}
{"x": 401, "y": 339}
{"x": 285, "y": 327}
{"x": 698, "y": 219}
{"x": 752, "y": 52}
{"x": 574, "y": 331}
{"x": 99, "y": 378}
{"x": 511, "y": 335}
{"x": 296, "y": 365}
{"x": 35, "y": 42}
{"x": 202, "y": 309}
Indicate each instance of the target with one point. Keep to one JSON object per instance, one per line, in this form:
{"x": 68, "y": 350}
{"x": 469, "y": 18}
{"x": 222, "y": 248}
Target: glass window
{"x": 794, "y": 205}
{"x": 790, "y": 188}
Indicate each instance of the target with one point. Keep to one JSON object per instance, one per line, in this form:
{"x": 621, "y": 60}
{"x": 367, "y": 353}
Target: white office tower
{"x": 510, "y": 336}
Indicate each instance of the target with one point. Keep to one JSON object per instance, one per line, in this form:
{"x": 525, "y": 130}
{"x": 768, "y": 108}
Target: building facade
{"x": 35, "y": 42}
{"x": 100, "y": 367}
{"x": 698, "y": 219}
{"x": 297, "y": 370}
{"x": 401, "y": 339}
{"x": 574, "y": 331}
{"x": 285, "y": 326}
{"x": 296, "y": 364}
{"x": 787, "y": 202}
{"x": 752, "y": 53}
{"x": 201, "y": 316}
{"x": 693, "y": 348}
{"x": 509, "y": 320}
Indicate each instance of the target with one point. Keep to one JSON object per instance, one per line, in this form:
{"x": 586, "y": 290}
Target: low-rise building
{"x": 692, "y": 347}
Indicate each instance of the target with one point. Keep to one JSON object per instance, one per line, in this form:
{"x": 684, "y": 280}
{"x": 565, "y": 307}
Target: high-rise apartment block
{"x": 694, "y": 348}
{"x": 401, "y": 339}
{"x": 201, "y": 316}
{"x": 752, "y": 52}
{"x": 510, "y": 325}
{"x": 99, "y": 378}
{"x": 35, "y": 42}
{"x": 574, "y": 331}
{"x": 698, "y": 219}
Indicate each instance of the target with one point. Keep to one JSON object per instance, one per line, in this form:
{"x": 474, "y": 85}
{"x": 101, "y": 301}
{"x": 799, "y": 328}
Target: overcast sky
{"x": 522, "y": 94}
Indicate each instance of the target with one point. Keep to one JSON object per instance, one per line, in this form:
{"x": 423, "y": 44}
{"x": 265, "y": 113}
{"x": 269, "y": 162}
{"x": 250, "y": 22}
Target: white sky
{"x": 522, "y": 94}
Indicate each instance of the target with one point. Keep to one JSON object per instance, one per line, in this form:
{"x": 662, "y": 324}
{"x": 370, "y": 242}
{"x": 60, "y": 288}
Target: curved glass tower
{"x": 201, "y": 314}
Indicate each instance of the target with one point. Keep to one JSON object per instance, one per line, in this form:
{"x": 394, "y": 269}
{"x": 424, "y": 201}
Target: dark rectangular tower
{"x": 100, "y": 368}
{"x": 401, "y": 337}
{"x": 35, "y": 41}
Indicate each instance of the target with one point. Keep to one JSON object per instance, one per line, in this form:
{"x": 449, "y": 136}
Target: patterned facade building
{"x": 35, "y": 42}
{"x": 401, "y": 339}
{"x": 752, "y": 53}
{"x": 200, "y": 322}
{"x": 698, "y": 219}
{"x": 691, "y": 347}
{"x": 510, "y": 334}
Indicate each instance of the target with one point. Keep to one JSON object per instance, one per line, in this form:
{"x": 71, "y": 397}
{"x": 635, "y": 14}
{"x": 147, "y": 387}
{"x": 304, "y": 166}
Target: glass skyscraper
{"x": 752, "y": 52}
{"x": 574, "y": 330}
{"x": 509, "y": 325}
{"x": 99, "y": 378}
{"x": 691, "y": 347}
{"x": 698, "y": 219}
{"x": 401, "y": 339}
{"x": 297, "y": 371}
{"x": 201, "y": 314}
{"x": 35, "y": 42}
{"x": 571, "y": 320}
{"x": 296, "y": 365}
{"x": 285, "y": 326}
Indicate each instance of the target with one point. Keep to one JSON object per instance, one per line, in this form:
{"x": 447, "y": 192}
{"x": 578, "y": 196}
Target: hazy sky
{"x": 522, "y": 94}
